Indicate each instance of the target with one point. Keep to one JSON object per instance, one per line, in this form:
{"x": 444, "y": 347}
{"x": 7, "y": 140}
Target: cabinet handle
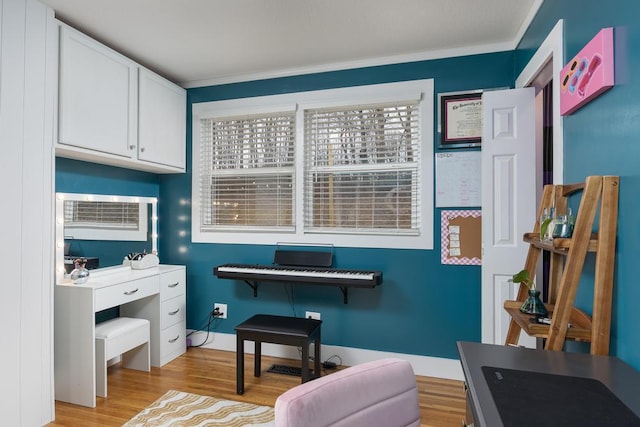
{"x": 142, "y": 149}
{"x": 131, "y": 292}
{"x": 132, "y": 147}
{"x": 173, "y": 285}
{"x": 175, "y": 339}
{"x": 171, "y": 313}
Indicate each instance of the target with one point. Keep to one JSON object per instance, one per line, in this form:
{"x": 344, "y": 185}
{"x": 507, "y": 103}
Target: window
{"x": 247, "y": 172}
{"x": 349, "y": 167}
{"x": 361, "y": 168}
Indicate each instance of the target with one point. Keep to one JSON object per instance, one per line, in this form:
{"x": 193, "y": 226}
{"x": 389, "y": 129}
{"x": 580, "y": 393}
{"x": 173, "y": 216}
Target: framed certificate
{"x": 460, "y": 119}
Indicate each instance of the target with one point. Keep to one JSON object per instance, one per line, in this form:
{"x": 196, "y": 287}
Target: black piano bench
{"x": 296, "y": 331}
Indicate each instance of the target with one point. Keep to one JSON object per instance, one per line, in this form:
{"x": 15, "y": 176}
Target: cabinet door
{"x": 97, "y": 89}
{"x": 162, "y": 108}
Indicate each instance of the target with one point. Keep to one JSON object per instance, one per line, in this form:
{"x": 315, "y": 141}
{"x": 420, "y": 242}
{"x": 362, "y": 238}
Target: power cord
{"x": 291, "y": 298}
{"x": 204, "y": 324}
{"x": 214, "y": 315}
{"x": 328, "y": 364}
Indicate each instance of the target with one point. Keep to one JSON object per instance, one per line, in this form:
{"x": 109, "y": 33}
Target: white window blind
{"x": 350, "y": 167}
{"x": 362, "y": 169}
{"x": 101, "y": 215}
{"x": 247, "y": 172}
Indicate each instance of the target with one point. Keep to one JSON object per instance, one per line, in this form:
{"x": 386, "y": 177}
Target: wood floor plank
{"x": 213, "y": 373}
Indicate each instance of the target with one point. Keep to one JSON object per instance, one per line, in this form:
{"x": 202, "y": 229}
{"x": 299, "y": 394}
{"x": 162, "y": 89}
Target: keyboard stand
{"x": 254, "y": 285}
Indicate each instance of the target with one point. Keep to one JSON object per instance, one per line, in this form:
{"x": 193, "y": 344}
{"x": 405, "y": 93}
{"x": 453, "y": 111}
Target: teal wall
{"x": 423, "y": 307}
{"x": 602, "y": 139}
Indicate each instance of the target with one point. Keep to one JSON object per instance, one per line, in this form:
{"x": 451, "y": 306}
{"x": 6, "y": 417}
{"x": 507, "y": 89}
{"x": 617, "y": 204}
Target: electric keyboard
{"x": 279, "y": 273}
{"x": 300, "y": 267}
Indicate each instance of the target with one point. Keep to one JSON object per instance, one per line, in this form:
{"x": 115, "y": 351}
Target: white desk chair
{"x": 124, "y": 336}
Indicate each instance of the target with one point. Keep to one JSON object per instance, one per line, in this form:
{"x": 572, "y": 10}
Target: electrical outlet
{"x": 222, "y": 308}
{"x": 312, "y": 315}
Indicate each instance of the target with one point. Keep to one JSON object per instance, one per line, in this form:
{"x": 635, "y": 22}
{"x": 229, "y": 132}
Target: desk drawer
{"x": 173, "y": 340}
{"x": 172, "y": 284}
{"x": 172, "y": 311}
{"x": 123, "y": 293}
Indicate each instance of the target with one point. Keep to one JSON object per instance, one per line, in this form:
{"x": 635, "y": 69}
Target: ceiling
{"x": 203, "y": 42}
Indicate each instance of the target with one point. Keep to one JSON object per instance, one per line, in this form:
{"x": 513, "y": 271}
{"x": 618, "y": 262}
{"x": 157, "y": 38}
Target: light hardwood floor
{"x": 212, "y": 373}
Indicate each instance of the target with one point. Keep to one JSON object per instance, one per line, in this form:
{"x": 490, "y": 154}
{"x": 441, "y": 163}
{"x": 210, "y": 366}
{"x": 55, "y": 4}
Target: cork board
{"x": 461, "y": 237}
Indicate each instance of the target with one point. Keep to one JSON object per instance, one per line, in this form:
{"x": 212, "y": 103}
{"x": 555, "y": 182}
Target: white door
{"x": 509, "y": 185}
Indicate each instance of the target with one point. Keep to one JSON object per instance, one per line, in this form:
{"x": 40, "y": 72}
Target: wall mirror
{"x": 103, "y": 229}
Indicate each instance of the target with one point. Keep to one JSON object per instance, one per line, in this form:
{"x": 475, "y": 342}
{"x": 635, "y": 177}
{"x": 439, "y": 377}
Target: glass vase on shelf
{"x": 534, "y": 305}
{"x": 563, "y": 225}
{"x": 567, "y": 230}
{"x": 547, "y": 222}
{"x": 79, "y": 275}
{"x": 559, "y": 225}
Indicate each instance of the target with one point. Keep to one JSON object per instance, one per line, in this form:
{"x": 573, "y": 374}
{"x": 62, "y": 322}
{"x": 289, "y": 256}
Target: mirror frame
{"x": 59, "y": 226}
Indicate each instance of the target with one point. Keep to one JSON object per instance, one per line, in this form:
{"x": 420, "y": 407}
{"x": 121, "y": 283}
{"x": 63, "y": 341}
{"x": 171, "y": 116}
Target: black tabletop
{"x": 515, "y": 386}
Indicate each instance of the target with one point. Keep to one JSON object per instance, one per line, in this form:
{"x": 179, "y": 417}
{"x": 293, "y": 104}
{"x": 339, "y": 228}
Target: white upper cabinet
{"x": 113, "y": 111}
{"x": 97, "y": 96}
{"x": 161, "y": 120}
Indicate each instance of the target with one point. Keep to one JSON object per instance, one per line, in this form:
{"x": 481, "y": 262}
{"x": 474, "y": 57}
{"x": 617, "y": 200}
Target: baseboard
{"x": 422, "y": 365}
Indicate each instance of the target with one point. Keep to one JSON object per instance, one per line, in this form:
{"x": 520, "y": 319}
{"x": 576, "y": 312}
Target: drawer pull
{"x": 171, "y": 313}
{"x": 131, "y": 292}
{"x": 175, "y": 339}
{"x": 173, "y": 285}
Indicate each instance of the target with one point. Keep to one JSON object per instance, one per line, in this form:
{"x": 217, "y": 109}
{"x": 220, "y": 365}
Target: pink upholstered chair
{"x": 379, "y": 393}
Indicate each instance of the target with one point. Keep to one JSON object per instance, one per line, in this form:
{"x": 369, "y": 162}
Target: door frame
{"x": 551, "y": 49}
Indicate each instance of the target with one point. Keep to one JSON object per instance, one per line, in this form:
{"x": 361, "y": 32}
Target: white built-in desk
{"x": 157, "y": 294}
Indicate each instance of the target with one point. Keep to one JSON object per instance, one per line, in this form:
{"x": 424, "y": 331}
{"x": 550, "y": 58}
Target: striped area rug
{"x": 177, "y": 408}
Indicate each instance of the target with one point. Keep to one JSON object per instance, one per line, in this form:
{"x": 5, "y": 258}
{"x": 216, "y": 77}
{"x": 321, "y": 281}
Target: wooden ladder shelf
{"x": 566, "y": 264}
